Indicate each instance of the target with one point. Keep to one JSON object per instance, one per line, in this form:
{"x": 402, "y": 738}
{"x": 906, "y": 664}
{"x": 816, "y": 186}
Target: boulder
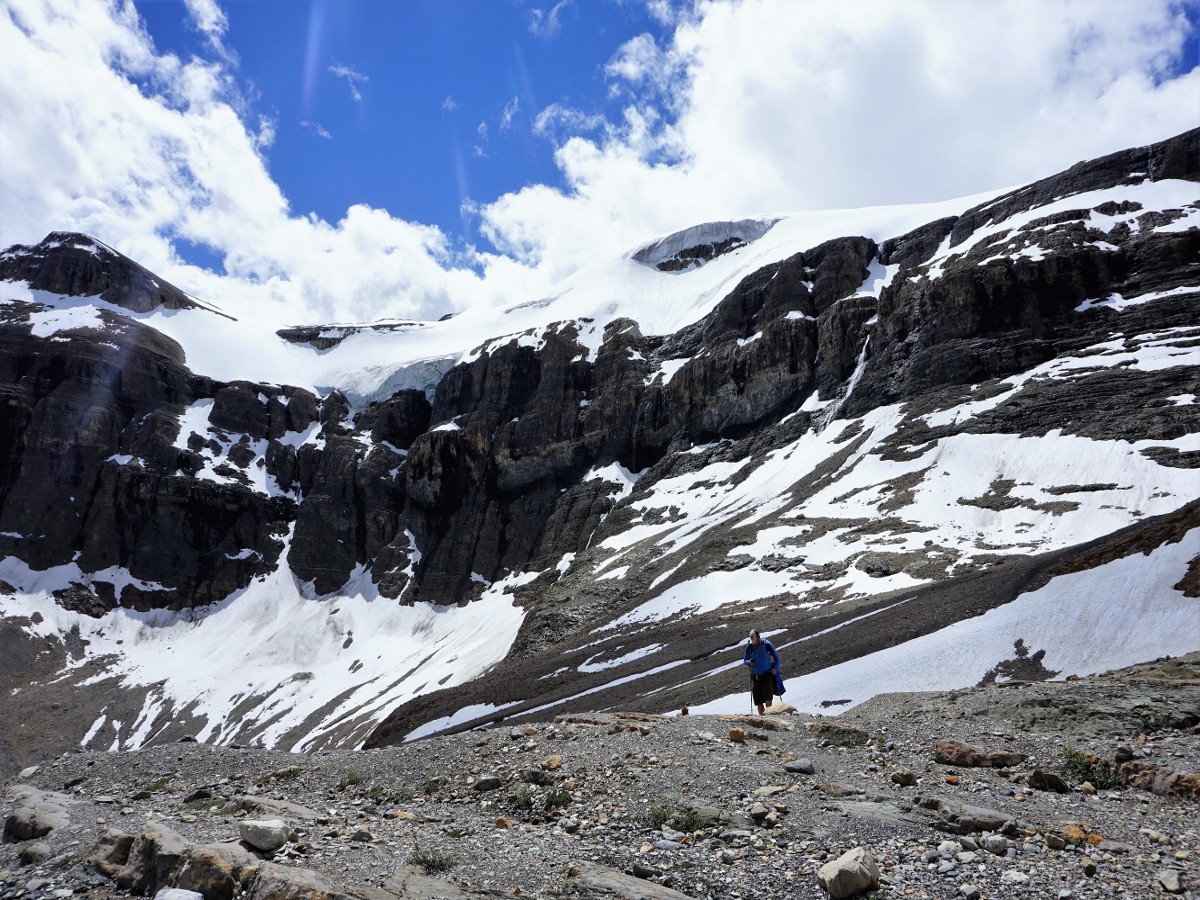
{"x": 267, "y": 835}
{"x": 218, "y": 871}
{"x": 958, "y": 753}
{"x": 35, "y": 813}
{"x": 275, "y": 882}
{"x": 852, "y": 873}
{"x": 155, "y": 856}
{"x": 109, "y": 851}
{"x": 590, "y": 879}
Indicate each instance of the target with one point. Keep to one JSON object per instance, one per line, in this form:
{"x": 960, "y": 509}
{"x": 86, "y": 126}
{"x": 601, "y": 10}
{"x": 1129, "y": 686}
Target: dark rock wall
{"x": 433, "y": 498}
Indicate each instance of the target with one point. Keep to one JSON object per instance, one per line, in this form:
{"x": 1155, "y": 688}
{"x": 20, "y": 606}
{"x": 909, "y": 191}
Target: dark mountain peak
{"x": 78, "y": 265}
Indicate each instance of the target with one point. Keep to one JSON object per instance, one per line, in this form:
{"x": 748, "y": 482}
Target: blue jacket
{"x": 762, "y": 658}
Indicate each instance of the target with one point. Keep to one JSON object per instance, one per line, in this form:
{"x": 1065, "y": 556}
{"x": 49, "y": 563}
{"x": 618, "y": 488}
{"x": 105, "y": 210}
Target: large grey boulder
{"x": 267, "y": 835}
{"x": 852, "y": 873}
{"x": 35, "y": 814}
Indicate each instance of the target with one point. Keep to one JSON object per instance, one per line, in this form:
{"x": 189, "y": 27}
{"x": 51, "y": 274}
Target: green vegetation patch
{"x": 681, "y": 818}
{"x": 435, "y": 862}
{"x": 1083, "y": 766}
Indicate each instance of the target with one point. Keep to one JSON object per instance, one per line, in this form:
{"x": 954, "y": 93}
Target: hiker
{"x": 764, "y": 666}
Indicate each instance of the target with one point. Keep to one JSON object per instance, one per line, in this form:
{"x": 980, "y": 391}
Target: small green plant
{"x": 227, "y": 809}
{"x": 160, "y": 784}
{"x": 350, "y": 777}
{"x": 558, "y": 799}
{"x": 1086, "y": 767}
{"x": 434, "y": 862}
{"x": 521, "y": 800}
{"x": 287, "y": 773}
{"x": 433, "y": 785}
{"x": 681, "y": 818}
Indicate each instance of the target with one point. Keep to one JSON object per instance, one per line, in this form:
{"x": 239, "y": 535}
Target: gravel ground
{"x": 676, "y": 802}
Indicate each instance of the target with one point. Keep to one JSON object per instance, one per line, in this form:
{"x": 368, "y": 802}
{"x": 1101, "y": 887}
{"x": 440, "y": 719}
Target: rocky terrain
{"x": 1077, "y": 789}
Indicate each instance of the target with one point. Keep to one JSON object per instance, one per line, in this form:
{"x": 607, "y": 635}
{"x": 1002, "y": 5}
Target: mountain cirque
{"x": 921, "y": 447}
{"x": 643, "y": 806}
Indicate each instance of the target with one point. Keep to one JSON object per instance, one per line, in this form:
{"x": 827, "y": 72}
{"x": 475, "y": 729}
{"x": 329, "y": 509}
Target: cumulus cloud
{"x": 757, "y": 106}
{"x": 771, "y": 105}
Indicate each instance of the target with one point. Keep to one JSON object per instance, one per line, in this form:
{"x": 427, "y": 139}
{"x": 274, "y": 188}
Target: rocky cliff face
{"x": 143, "y": 485}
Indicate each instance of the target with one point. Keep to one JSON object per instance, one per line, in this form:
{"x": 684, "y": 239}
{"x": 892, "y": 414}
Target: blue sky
{"x": 335, "y": 160}
{"x": 416, "y": 107}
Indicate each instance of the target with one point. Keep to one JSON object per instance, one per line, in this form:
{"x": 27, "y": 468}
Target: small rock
{"x": 995, "y": 844}
{"x": 34, "y": 852}
{"x": 904, "y": 778}
{"x": 737, "y": 735}
{"x": 664, "y": 844}
{"x": 504, "y": 822}
{"x": 1088, "y": 788}
{"x": 643, "y": 871}
{"x": 177, "y": 894}
{"x": 1171, "y": 880}
{"x": 27, "y": 773}
{"x": 969, "y": 892}
{"x": 800, "y": 767}
{"x": 1047, "y": 781}
{"x": 552, "y": 762}
{"x": 486, "y": 783}
{"x": 1014, "y": 877}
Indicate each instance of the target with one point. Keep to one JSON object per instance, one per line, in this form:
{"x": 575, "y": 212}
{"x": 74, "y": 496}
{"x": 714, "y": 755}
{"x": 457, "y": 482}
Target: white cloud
{"x": 557, "y": 120}
{"x": 449, "y": 104}
{"x": 757, "y": 106}
{"x": 210, "y": 20}
{"x": 511, "y": 108}
{"x": 547, "y": 24}
{"x": 317, "y": 128}
{"x": 352, "y": 78}
{"x": 772, "y": 105}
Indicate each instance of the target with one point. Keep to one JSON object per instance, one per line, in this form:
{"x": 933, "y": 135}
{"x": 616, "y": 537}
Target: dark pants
{"x": 764, "y": 688}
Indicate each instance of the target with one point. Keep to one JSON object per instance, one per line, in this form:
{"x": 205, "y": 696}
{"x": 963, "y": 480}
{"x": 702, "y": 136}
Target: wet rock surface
{"x": 636, "y": 805}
